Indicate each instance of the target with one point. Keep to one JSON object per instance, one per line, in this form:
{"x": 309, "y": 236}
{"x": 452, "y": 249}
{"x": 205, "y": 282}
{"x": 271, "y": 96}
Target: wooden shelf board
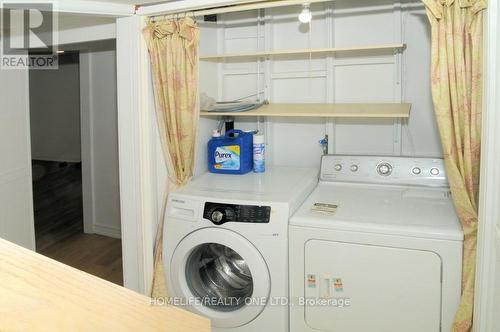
{"x": 381, "y": 110}
{"x": 395, "y": 47}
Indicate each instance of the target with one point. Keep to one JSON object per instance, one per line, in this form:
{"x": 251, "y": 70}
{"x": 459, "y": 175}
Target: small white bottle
{"x": 259, "y": 150}
{"x": 216, "y": 133}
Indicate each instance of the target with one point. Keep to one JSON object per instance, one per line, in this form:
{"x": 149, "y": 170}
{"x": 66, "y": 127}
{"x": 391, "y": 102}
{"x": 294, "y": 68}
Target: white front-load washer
{"x": 376, "y": 247}
{"x": 226, "y": 246}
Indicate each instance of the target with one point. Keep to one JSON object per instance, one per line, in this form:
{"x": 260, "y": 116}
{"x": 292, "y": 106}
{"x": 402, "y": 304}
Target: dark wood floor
{"x": 57, "y": 193}
{"x": 94, "y": 254}
{"x": 58, "y": 205}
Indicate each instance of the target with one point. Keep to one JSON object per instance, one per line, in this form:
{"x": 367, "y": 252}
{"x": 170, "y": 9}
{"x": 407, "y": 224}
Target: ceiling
{"x": 133, "y": 2}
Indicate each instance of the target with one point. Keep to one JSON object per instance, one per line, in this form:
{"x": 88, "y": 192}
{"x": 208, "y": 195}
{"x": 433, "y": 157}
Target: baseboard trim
{"x": 107, "y": 231}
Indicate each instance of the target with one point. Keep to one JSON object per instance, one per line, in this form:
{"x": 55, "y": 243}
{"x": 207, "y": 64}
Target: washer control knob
{"x": 337, "y": 167}
{"x": 217, "y": 216}
{"x": 384, "y": 169}
{"x": 416, "y": 170}
{"x": 354, "y": 168}
{"x": 434, "y": 171}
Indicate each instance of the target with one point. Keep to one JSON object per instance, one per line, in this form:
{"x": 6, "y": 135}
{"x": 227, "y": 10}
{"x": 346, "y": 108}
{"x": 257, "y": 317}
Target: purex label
{"x": 227, "y": 157}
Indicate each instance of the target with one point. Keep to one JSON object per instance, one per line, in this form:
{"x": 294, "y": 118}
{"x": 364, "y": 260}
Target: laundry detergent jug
{"x": 232, "y": 153}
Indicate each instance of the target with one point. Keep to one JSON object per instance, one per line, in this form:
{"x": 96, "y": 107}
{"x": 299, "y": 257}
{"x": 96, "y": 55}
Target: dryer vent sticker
{"x": 311, "y": 281}
{"x": 325, "y": 208}
{"x": 338, "y": 285}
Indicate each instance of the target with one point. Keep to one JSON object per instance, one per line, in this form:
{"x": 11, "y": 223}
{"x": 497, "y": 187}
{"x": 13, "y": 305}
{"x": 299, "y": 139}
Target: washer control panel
{"x": 219, "y": 213}
{"x": 384, "y": 169}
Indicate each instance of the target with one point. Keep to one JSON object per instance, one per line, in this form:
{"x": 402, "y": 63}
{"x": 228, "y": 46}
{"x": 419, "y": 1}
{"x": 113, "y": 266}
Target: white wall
{"x": 16, "y": 203}
{"x": 349, "y": 77}
{"x": 84, "y": 28}
{"x": 55, "y": 112}
{"x": 208, "y": 78}
{"x": 99, "y": 117}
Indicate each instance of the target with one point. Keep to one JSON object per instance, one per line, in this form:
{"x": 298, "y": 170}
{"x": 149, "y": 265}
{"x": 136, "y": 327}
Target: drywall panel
{"x": 16, "y": 210}
{"x": 295, "y": 142}
{"x": 208, "y": 85}
{"x": 55, "y": 112}
{"x": 77, "y": 28}
{"x": 299, "y": 90}
{"x": 358, "y": 84}
{"x": 208, "y": 45}
{"x": 240, "y": 25}
{"x": 208, "y": 69}
{"x": 241, "y": 86}
{"x": 301, "y": 64}
{"x": 16, "y": 198}
{"x": 364, "y": 83}
{"x": 288, "y": 32}
{"x": 105, "y": 137}
{"x": 365, "y": 137}
{"x": 363, "y": 22}
{"x": 420, "y": 136}
{"x": 101, "y": 164}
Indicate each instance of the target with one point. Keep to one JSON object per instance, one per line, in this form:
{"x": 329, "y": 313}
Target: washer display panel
{"x": 219, "y": 275}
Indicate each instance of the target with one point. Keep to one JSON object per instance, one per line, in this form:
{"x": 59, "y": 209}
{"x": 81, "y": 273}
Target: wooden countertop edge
{"x": 40, "y": 294}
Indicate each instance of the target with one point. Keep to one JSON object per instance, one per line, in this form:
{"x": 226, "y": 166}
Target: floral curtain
{"x": 456, "y": 82}
{"x": 173, "y": 51}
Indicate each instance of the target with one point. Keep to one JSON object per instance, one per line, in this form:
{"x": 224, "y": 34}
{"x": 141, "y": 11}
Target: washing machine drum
{"x": 226, "y": 275}
{"x": 220, "y": 275}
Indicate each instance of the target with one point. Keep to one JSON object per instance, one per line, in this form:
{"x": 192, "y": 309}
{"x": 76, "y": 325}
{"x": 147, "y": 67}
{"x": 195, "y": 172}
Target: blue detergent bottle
{"x": 231, "y": 155}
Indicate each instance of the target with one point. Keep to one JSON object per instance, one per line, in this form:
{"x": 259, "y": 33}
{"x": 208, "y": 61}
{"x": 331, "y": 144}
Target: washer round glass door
{"x": 221, "y": 275}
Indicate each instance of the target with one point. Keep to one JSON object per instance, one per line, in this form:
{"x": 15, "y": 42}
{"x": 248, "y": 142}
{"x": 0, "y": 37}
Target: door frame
{"x": 137, "y": 142}
{"x": 78, "y": 36}
{"x": 488, "y": 249}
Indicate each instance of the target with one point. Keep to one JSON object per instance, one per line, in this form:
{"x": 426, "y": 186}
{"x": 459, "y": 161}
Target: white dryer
{"x": 226, "y": 246}
{"x": 376, "y": 247}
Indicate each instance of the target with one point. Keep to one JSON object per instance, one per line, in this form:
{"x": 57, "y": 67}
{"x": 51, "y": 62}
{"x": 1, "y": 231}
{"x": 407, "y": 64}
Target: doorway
{"x": 74, "y": 223}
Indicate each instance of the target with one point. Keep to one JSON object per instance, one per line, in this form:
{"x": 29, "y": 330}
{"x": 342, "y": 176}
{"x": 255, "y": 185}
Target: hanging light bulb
{"x": 305, "y": 15}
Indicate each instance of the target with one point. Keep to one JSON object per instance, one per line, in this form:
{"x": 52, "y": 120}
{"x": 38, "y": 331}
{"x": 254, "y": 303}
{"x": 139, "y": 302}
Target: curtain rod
{"x": 235, "y": 8}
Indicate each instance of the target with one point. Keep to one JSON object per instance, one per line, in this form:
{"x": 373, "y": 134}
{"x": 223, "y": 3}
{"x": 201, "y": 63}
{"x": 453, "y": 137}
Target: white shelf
{"x": 377, "y": 110}
{"x": 393, "y": 47}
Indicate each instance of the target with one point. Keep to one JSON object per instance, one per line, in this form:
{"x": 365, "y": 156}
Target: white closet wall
{"x": 208, "y": 84}
{"x": 371, "y": 76}
{"x": 16, "y": 195}
{"x": 55, "y": 113}
{"x": 100, "y": 155}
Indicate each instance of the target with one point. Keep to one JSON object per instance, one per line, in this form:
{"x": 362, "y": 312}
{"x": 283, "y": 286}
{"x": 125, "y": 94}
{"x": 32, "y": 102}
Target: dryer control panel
{"x": 384, "y": 170}
{"x": 219, "y": 213}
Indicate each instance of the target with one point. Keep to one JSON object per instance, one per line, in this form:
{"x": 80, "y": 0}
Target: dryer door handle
{"x": 325, "y": 286}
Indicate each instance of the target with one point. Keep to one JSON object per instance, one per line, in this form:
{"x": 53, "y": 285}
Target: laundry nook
{"x": 250, "y": 165}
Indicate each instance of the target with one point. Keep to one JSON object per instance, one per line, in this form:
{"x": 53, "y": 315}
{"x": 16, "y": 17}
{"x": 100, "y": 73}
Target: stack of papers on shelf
{"x": 208, "y": 104}
{"x": 233, "y": 106}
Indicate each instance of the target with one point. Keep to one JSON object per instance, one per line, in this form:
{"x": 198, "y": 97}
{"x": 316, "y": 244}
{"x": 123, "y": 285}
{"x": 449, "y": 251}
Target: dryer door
{"x": 221, "y": 275}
